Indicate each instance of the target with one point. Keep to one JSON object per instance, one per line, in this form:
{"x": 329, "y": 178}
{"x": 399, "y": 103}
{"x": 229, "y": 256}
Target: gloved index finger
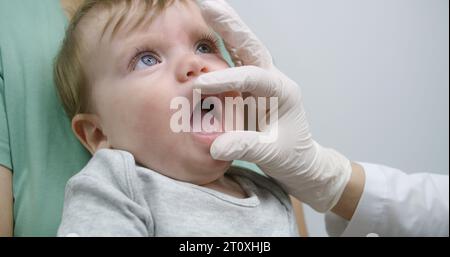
{"x": 236, "y": 34}
{"x": 250, "y": 79}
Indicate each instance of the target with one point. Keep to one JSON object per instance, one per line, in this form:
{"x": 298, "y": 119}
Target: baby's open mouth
{"x": 206, "y": 116}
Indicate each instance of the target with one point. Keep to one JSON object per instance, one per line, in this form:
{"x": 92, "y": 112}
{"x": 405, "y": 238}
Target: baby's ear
{"x": 88, "y": 130}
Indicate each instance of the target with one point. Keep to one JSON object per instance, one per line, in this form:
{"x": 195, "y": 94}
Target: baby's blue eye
{"x": 146, "y": 61}
{"x": 204, "y": 48}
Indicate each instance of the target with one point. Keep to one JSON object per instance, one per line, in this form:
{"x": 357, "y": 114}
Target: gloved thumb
{"x": 241, "y": 145}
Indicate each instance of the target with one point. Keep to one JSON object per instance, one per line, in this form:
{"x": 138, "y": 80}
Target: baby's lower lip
{"x": 206, "y": 138}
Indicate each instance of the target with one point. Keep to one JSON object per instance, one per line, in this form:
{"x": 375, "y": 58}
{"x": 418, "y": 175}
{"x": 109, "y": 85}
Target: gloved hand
{"x": 313, "y": 174}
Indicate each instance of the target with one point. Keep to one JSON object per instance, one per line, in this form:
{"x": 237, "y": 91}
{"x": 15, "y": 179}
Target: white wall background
{"x": 374, "y": 75}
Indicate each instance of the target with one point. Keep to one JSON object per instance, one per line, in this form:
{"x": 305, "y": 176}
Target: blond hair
{"x": 70, "y": 78}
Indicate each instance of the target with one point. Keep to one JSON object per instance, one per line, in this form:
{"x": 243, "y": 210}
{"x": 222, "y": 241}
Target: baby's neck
{"x": 228, "y": 186}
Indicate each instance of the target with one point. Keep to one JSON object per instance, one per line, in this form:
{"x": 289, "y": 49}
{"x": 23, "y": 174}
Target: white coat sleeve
{"x": 397, "y": 204}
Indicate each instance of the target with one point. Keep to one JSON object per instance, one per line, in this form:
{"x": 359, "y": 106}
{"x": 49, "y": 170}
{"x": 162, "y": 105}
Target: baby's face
{"x": 133, "y": 78}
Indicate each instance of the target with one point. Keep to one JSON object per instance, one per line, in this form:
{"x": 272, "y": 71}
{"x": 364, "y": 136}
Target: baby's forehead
{"x": 111, "y": 18}
{"x": 118, "y": 18}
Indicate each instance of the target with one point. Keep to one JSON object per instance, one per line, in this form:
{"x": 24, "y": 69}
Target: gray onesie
{"x": 112, "y": 196}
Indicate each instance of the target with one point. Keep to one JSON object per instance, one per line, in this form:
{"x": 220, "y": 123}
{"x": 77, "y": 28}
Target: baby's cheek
{"x": 152, "y": 116}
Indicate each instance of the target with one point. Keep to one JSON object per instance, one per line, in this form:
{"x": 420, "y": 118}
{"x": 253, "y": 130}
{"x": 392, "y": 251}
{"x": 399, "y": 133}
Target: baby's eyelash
{"x": 212, "y": 38}
{"x": 138, "y": 54}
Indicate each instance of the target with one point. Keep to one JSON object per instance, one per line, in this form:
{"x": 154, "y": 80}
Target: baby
{"x": 121, "y": 64}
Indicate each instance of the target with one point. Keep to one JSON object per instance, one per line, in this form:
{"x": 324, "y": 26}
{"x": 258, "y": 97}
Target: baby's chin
{"x": 195, "y": 167}
{"x": 212, "y": 166}
{"x": 207, "y": 171}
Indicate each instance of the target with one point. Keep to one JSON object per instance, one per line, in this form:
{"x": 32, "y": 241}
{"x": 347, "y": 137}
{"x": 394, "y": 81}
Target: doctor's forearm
{"x": 349, "y": 200}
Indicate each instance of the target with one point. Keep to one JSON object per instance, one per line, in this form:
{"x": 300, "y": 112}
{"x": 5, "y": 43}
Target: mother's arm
{"x": 6, "y": 203}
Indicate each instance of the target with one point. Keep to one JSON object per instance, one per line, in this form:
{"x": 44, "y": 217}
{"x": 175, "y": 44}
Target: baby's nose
{"x": 191, "y": 69}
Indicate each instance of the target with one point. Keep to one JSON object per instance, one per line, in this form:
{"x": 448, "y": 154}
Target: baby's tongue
{"x": 203, "y": 121}
{"x": 210, "y": 123}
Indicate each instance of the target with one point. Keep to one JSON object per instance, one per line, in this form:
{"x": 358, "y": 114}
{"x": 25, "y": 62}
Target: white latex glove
{"x": 313, "y": 174}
